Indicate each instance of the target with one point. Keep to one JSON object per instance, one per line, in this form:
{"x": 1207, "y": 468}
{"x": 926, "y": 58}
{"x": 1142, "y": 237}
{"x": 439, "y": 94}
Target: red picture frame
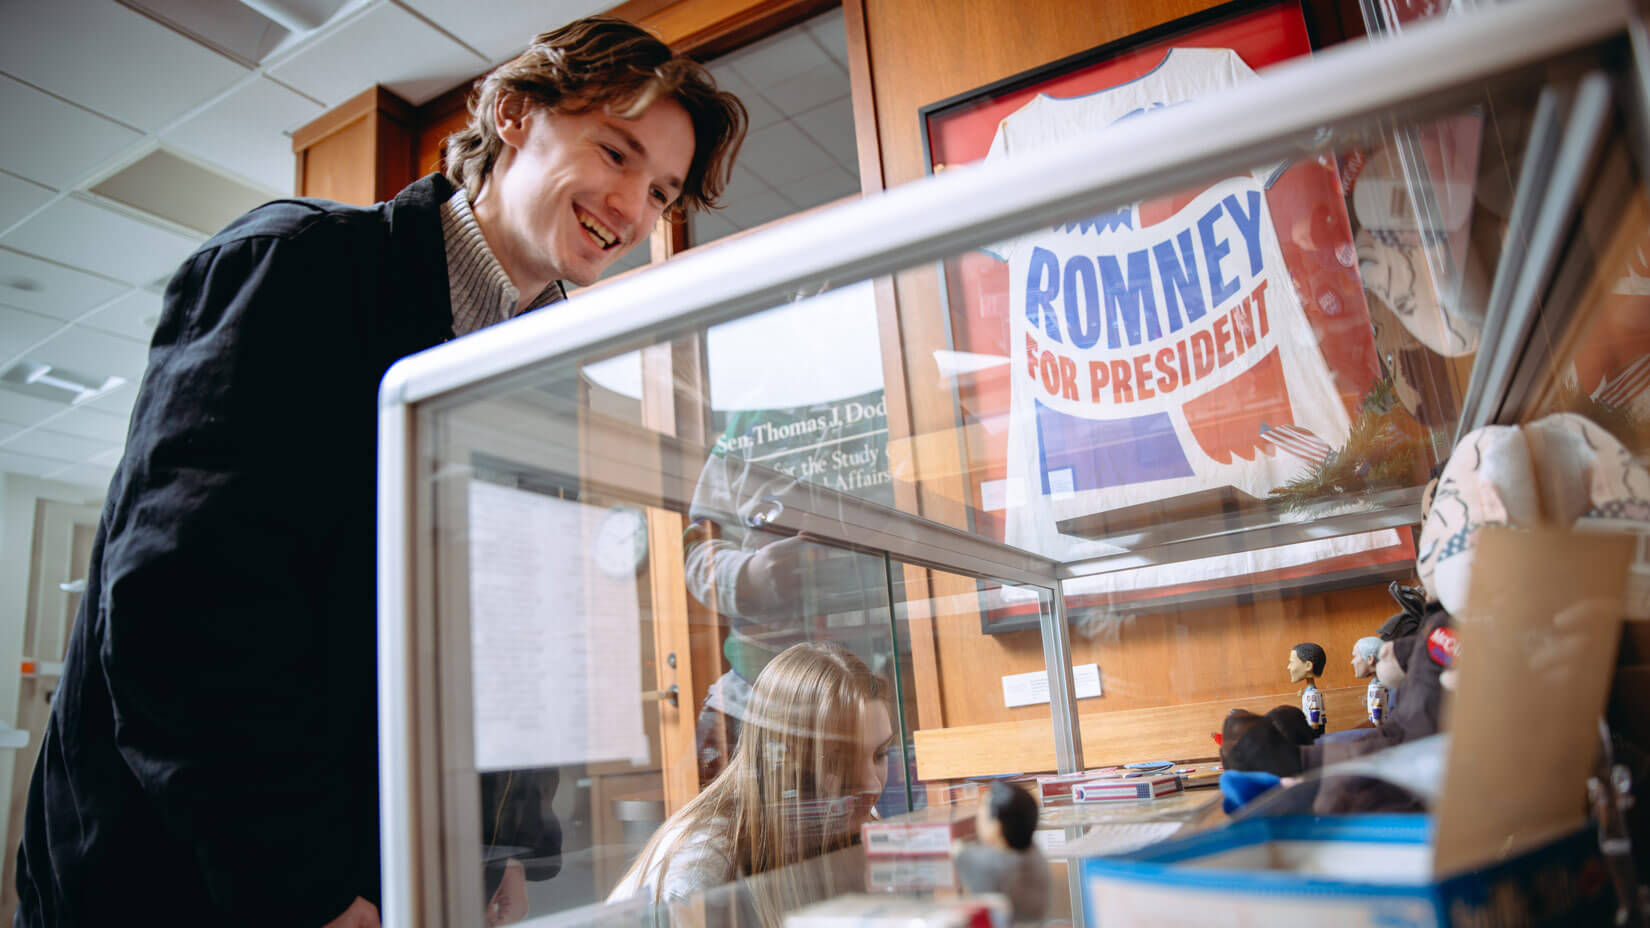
{"x": 1308, "y": 210}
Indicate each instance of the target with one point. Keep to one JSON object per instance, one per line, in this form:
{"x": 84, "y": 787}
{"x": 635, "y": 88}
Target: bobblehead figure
{"x": 1306, "y": 662}
{"x": 1365, "y": 655}
{"x": 1005, "y": 859}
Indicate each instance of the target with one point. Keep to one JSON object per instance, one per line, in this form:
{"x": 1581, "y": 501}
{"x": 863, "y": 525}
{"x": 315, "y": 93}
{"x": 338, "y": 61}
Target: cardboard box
{"x": 1507, "y": 843}
{"x": 1148, "y": 787}
{"x": 924, "y": 832}
{"x": 906, "y": 873}
{"x": 1350, "y": 872}
{"x": 951, "y": 794}
{"x": 1180, "y": 807}
{"x": 1054, "y": 789}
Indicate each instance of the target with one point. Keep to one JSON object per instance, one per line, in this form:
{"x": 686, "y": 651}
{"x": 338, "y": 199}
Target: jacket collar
{"x": 415, "y": 236}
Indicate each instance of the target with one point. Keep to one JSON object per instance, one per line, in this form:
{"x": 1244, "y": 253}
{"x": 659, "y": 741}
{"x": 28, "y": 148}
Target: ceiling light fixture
{"x": 44, "y": 381}
{"x": 296, "y": 15}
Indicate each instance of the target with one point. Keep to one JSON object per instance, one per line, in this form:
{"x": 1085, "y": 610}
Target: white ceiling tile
{"x": 742, "y": 183}
{"x": 831, "y": 31}
{"x": 236, "y": 29}
{"x": 21, "y": 330}
{"x": 70, "y": 449}
{"x": 704, "y": 228}
{"x": 133, "y": 316}
{"x": 384, "y": 45}
{"x": 7, "y": 430}
{"x": 93, "y": 353}
{"x": 111, "y": 59}
{"x": 26, "y": 464}
{"x": 173, "y": 189}
{"x": 26, "y": 410}
{"x": 245, "y": 132}
{"x": 53, "y": 142}
{"x": 832, "y": 126}
{"x": 755, "y": 211}
{"x": 50, "y": 289}
{"x": 758, "y": 110}
{"x": 75, "y": 232}
{"x": 95, "y": 476}
{"x": 812, "y": 88}
{"x": 18, "y": 198}
{"x": 781, "y": 153}
{"x": 831, "y": 184}
{"x": 508, "y": 25}
{"x": 88, "y": 422}
{"x": 776, "y": 58}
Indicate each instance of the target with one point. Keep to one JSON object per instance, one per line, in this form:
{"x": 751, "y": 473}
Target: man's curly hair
{"x": 605, "y": 62}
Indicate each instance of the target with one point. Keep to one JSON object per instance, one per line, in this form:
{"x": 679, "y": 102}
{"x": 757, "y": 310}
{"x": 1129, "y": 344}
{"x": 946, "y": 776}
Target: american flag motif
{"x": 1298, "y": 442}
{"x": 1625, "y": 387}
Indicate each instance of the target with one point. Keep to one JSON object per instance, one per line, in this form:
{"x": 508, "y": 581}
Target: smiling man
{"x": 211, "y": 756}
{"x": 563, "y": 181}
{"x": 573, "y": 192}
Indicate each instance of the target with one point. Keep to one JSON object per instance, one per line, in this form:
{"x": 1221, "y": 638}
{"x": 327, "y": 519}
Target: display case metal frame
{"x": 1351, "y": 88}
{"x": 1575, "y": 175}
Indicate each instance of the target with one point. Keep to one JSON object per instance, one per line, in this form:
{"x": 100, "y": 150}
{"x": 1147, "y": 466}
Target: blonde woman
{"x": 811, "y": 760}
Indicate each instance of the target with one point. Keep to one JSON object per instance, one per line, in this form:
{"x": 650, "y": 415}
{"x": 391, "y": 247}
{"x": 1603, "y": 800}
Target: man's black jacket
{"x": 211, "y": 754}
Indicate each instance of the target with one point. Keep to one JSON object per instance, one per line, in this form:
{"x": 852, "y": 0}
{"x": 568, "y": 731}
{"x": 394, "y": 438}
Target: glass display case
{"x": 1064, "y": 453}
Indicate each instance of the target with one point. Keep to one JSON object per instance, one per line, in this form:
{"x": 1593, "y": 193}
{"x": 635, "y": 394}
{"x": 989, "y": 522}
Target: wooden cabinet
{"x": 360, "y": 152}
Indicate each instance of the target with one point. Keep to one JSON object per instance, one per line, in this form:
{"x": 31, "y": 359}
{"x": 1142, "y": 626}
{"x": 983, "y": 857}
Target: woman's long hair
{"x": 787, "y": 793}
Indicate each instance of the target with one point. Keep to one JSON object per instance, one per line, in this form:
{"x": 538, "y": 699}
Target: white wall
{"x": 18, "y": 495}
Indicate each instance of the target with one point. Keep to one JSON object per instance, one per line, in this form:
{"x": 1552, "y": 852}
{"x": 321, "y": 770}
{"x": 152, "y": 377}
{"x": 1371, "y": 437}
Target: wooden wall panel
{"x": 1231, "y": 651}
{"x": 673, "y": 660}
{"x": 1179, "y": 733}
{"x": 395, "y": 167}
{"x": 706, "y": 28}
{"x": 438, "y": 119}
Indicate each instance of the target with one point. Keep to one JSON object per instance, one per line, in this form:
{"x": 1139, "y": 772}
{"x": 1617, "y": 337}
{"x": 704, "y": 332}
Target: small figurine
{"x": 1004, "y": 859}
{"x": 1365, "y": 653}
{"x": 1306, "y": 662}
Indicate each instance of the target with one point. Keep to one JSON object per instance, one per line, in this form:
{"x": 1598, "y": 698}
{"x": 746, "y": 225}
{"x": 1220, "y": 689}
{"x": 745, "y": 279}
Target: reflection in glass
{"x": 805, "y": 773}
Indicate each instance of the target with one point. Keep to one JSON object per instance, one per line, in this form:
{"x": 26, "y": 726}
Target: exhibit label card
{"x": 555, "y": 643}
{"x": 1029, "y": 689}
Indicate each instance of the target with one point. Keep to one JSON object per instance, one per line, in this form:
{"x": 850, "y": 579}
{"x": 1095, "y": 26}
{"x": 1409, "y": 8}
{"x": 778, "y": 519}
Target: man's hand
{"x": 771, "y": 581}
{"x": 360, "y": 914}
{"x": 509, "y": 902}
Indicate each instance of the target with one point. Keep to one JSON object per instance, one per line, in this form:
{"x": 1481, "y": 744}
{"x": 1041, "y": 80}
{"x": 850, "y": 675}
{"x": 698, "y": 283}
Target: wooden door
{"x": 62, "y": 549}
